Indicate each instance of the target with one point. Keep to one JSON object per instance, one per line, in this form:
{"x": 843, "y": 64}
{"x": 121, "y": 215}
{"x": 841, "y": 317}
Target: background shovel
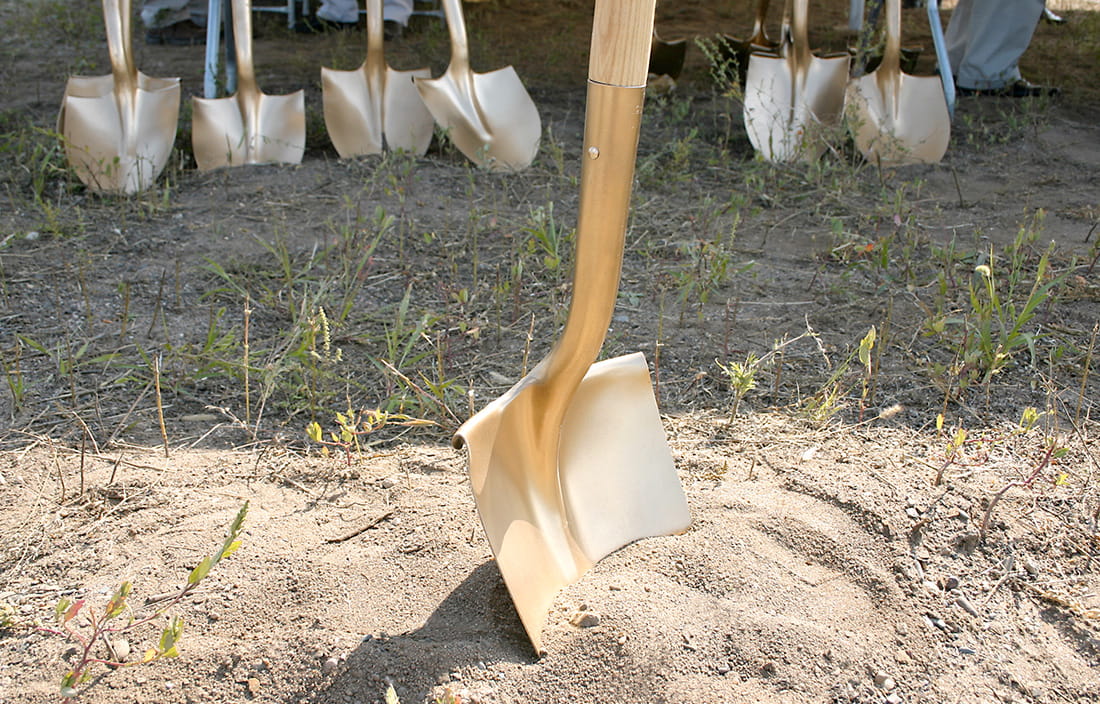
{"x": 738, "y": 50}
{"x": 791, "y": 98}
{"x": 489, "y": 116}
{"x": 572, "y": 462}
{"x": 375, "y": 106}
{"x": 897, "y": 118}
{"x": 119, "y": 129}
{"x": 248, "y": 127}
{"x": 666, "y": 57}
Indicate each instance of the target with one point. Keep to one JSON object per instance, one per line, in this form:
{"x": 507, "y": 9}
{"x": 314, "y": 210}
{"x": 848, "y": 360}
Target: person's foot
{"x": 319, "y": 25}
{"x": 1052, "y": 18}
{"x": 1021, "y": 88}
{"x": 185, "y": 33}
{"x": 392, "y": 29}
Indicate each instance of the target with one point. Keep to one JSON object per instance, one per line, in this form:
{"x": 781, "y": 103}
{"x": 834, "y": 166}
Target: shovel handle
{"x": 617, "y": 71}
{"x": 456, "y": 28}
{"x": 116, "y": 20}
{"x": 621, "y": 32}
{"x": 891, "y": 55}
{"x": 375, "y": 34}
{"x": 800, "y": 33}
{"x": 242, "y": 46}
{"x": 759, "y": 34}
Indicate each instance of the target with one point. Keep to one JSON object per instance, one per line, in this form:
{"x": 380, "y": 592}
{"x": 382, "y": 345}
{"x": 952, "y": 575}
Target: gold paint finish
{"x": 375, "y": 106}
{"x": 119, "y": 128}
{"x": 489, "y": 116}
{"x": 572, "y": 462}
{"x": 897, "y": 118}
{"x": 790, "y": 99}
{"x": 248, "y": 127}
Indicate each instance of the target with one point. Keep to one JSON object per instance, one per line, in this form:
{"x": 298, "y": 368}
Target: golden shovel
{"x": 248, "y": 127}
{"x": 572, "y": 462}
{"x": 792, "y": 98}
{"x": 738, "y": 50}
{"x": 897, "y": 118}
{"x": 375, "y": 106}
{"x": 119, "y": 128}
{"x": 489, "y": 116}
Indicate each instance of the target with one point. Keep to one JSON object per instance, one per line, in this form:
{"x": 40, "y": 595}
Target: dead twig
{"x": 362, "y": 529}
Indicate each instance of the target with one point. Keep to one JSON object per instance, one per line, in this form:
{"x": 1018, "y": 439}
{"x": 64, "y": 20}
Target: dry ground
{"x": 825, "y": 562}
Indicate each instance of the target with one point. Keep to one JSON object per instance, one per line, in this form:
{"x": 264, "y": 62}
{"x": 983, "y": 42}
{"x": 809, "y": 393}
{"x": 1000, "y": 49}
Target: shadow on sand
{"x": 476, "y": 623}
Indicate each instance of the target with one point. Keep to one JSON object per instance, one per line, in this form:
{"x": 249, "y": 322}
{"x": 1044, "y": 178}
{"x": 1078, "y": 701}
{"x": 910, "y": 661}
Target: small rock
{"x": 902, "y": 658}
{"x": 948, "y": 583}
{"x": 122, "y": 648}
{"x": 931, "y": 586}
{"x": 1031, "y": 568}
{"x": 768, "y": 669}
{"x": 893, "y": 698}
{"x": 388, "y": 482}
{"x": 253, "y": 686}
{"x": 965, "y": 605}
{"x": 585, "y": 619}
{"x": 885, "y": 682}
{"x": 912, "y": 513}
{"x": 723, "y": 668}
{"x": 329, "y": 665}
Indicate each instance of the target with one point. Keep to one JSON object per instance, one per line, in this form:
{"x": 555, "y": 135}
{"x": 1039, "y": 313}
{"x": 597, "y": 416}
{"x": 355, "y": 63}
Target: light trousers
{"x": 156, "y": 14}
{"x": 348, "y": 10}
{"x": 986, "y": 38}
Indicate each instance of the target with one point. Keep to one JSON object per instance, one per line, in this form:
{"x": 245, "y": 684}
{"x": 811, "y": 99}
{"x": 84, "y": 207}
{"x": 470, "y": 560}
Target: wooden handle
{"x": 622, "y": 32}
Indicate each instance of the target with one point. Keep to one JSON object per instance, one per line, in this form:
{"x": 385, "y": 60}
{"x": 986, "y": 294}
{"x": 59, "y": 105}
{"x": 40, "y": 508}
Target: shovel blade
{"x": 115, "y": 153}
{"x": 618, "y": 480}
{"x": 489, "y": 116}
{"x": 222, "y": 134}
{"x": 788, "y": 108}
{"x": 610, "y": 481}
{"x": 352, "y": 112}
{"x": 903, "y": 122}
{"x": 365, "y": 119}
{"x": 408, "y": 122}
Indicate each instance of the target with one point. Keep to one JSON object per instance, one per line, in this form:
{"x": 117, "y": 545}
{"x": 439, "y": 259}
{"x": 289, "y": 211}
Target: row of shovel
{"x": 793, "y": 98}
{"x": 119, "y": 129}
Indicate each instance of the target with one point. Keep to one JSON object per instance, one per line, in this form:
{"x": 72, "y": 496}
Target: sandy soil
{"x": 825, "y": 562}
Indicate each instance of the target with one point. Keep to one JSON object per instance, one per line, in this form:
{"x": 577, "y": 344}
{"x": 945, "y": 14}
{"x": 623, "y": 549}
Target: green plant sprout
{"x": 548, "y": 238}
{"x": 995, "y": 322}
{"x": 353, "y": 425}
{"x": 90, "y": 628}
{"x": 742, "y": 379}
{"x": 864, "y": 353}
